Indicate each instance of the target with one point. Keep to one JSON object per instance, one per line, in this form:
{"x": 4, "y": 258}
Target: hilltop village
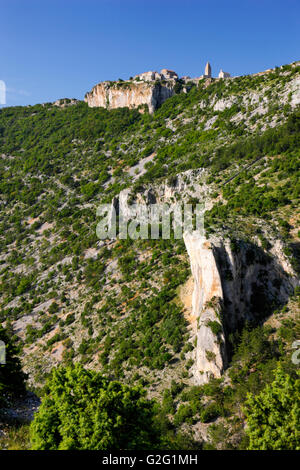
{"x": 148, "y": 88}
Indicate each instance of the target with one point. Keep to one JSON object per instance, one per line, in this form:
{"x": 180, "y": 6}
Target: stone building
{"x": 148, "y": 76}
{"x": 207, "y": 72}
{"x": 151, "y": 76}
{"x": 168, "y": 74}
{"x": 223, "y": 74}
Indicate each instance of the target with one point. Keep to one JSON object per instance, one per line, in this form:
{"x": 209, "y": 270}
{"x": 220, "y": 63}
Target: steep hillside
{"x": 131, "y": 308}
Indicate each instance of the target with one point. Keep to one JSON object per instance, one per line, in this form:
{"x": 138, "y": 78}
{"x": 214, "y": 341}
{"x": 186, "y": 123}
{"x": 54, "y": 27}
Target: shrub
{"x": 184, "y": 414}
{"x": 211, "y": 412}
{"x": 215, "y": 327}
{"x": 273, "y": 415}
{"x": 83, "y": 410}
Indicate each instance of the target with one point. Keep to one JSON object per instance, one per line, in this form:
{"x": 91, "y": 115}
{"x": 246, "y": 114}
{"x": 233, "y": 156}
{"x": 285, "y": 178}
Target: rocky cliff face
{"x": 133, "y": 94}
{"x": 234, "y": 281}
{"x": 153, "y": 88}
{"x": 207, "y": 299}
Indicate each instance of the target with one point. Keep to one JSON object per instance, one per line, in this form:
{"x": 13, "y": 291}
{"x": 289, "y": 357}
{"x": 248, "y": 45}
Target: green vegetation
{"x": 17, "y": 438}
{"x": 114, "y": 307}
{"x": 254, "y": 382}
{"x": 272, "y": 416}
{"x": 82, "y": 410}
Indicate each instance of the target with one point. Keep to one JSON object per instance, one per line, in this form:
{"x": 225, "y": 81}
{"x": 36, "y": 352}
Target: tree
{"x": 273, "y": 415}
{"x": 12, "y": 379}
{"x": 83, "y": 410}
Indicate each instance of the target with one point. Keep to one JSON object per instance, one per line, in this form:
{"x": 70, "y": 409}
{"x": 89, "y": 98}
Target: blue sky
{"x": 52, "y": 49}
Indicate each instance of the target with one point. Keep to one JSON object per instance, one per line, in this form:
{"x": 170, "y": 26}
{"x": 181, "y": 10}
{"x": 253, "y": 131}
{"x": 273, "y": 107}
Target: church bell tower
{"x": 207, "y": 72}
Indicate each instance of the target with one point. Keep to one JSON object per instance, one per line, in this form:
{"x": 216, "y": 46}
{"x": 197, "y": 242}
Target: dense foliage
{"x": 83, "y": 410}
{"x": 272, "y": 416}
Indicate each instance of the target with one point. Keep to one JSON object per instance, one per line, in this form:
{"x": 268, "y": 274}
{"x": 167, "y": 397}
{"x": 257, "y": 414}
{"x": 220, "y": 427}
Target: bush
{"x": 215, "y": 327}
{"x": 273, "y": 415}
{"x": 183, "y": 415}
{"x": 211, "y": 412}
{"x": 83, "y": 410}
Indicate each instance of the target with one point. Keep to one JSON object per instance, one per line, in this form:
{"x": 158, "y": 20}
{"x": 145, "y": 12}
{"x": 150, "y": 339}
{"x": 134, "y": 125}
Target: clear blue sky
{"x": 60, "y": 48}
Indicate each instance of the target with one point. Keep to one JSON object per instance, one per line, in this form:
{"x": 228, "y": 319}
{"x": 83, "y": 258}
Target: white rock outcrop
{"x": 133, "y": 94}
{"x": 207, "y": 299}
{"x": 234, "y": 281}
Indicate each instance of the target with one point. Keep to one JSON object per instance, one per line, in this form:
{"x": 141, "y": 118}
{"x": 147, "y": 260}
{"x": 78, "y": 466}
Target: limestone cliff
{"x": 234, "y": 281}
{"x": 210, "y": 354}
{"x": 132, "y": 94}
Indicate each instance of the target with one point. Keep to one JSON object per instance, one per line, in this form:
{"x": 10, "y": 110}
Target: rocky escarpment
{"x": 153, "y": 88}
{"x": 210, "y": 353}
{"x": 149, "y": 88}
{"x": 234, "y": 282}
{"x": 133, "y": 94}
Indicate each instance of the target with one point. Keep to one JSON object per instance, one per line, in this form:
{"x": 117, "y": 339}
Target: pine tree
{"x": 273, "y": 415}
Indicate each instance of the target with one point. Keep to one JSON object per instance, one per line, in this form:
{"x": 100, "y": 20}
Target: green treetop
{"x": 273, "y": 415}
{"x": 83, "y": 410}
